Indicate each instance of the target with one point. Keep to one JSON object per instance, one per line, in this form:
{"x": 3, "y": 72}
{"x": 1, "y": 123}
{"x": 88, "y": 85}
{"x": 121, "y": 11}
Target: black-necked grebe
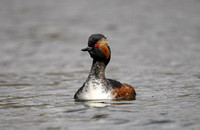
{"x": 97, "y": 86}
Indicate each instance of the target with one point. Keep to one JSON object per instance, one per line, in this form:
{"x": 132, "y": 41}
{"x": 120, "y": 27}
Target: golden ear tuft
{"x": 102, "y": 42}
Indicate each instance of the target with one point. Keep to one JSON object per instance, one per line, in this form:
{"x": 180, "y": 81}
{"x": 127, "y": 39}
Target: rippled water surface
{"x": 155, "y": 47}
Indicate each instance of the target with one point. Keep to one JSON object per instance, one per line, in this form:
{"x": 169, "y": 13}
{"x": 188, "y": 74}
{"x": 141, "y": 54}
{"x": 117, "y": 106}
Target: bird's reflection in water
{"x": 101, "y": 103}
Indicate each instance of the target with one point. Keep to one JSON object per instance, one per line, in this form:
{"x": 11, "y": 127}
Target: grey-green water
{"x": 155, "y": 47}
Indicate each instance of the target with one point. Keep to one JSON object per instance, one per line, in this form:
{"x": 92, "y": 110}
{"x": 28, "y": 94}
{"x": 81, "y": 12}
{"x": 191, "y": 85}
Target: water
{"x": 155, "y": 47}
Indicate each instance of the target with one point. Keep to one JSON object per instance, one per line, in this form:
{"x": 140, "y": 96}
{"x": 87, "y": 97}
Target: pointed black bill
{"x": 87, "y": 49}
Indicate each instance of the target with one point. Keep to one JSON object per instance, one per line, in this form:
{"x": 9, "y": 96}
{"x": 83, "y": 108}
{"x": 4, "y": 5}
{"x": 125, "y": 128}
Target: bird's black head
{"x": 98, "y": 48}
{"x": 94, "y": 38}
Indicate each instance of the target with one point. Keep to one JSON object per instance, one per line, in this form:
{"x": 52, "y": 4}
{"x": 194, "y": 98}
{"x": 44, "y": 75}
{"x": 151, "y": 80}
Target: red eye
{"x": 96, "y": 45}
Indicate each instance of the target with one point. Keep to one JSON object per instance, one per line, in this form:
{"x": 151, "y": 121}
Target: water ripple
{"x": 159, "y": 122}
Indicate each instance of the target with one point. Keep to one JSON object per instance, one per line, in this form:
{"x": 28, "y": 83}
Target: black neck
{"x": 98, "y": 69}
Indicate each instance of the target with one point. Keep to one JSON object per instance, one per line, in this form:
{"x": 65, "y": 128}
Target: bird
{"x": 97, "y": 86}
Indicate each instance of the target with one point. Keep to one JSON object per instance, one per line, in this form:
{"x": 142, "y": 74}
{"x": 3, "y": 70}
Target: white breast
{"x": 95, "y": 90}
